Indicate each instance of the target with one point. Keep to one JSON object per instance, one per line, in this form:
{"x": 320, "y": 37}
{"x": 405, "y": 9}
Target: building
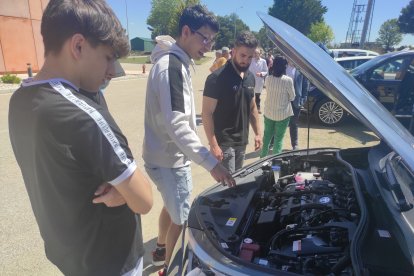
{"x": 20, "y": 39}
{"x": 142, "y": 44}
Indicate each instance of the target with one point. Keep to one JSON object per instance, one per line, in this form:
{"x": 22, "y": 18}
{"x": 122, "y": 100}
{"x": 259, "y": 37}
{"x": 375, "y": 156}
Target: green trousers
{"x": 276, "y": 129}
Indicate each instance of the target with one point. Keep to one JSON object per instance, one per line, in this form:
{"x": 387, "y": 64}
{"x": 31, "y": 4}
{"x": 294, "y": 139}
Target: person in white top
{"x": 290, "y": 71}
{"x": 259, "y": 69}
{"x": 278, "y": 108}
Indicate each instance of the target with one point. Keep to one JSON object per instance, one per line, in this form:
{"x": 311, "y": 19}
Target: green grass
{"x": 140, "y": 60}
{"x": 7, "y": 78}
{"x": 145, "y": 59}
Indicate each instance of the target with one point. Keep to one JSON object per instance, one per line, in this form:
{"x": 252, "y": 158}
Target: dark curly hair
{"x": 197, "y": 16}
{"x": 246, "y": 39}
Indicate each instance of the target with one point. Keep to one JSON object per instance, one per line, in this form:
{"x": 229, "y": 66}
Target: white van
{"x": 352, "y": 52}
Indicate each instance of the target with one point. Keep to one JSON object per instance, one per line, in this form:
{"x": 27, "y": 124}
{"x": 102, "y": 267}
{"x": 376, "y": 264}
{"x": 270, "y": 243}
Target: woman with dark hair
{"x": 278, "y": 109}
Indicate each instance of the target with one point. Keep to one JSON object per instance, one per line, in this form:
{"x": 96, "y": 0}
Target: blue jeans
{"x": 175, "y": 186}
{"x": 233, "y": 157}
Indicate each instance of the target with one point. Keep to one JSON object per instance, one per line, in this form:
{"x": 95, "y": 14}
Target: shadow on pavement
{"x": 349, "y": 127}
{"x": 252, "y": 155}
{"x": 149, "y": 268}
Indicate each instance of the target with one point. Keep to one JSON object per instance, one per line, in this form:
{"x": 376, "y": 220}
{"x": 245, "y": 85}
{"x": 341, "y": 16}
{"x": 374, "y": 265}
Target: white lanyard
{"x": 96, "y": 116}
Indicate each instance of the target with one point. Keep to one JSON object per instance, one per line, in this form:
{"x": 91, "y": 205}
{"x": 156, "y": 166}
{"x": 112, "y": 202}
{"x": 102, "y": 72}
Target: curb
{"x": 129, "y": 75}
{"x": 8, "y": 90}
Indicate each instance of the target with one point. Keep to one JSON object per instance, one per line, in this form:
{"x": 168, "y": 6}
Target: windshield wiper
{"x": 389, "y": 173}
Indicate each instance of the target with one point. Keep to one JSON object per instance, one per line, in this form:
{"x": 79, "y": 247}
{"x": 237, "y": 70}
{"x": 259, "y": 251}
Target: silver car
{"x": 319, "y": 211}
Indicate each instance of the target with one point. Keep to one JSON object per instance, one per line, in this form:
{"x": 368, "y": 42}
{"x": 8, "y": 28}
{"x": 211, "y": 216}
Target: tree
{"x": 165, "y": 14}
{"x": 389, "y": 34}
{"x": 176, "y": 18}
{"x": 264, "y": 41}
{"x": 406, "y": 19}
{"x": 300, "y": 14}
{"x": 230, "y": 25}
{"x": 320, "y": 31}
{"x": 160, "y": 18}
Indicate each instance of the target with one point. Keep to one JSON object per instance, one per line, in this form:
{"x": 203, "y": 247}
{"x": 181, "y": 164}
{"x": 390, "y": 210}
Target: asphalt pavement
{"x": 21, "y": 247}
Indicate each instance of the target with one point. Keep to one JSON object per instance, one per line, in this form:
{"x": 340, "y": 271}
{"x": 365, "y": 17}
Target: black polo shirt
{"x": 66, "y": 146}
{"x": 232, "y": 113}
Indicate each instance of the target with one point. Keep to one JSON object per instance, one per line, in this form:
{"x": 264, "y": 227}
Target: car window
{"x": 410, "y": 68}
{"x": 360, "y": 61}
{"x": 405, "y": 101}
{"x": 352, "y": 63}
{"x": 352, "y": 52}
{"x": 347, "y": 64}
{"x": 390, "y": 70}
{"x": 359, "y": 54}
{"x": 365, "y": 67}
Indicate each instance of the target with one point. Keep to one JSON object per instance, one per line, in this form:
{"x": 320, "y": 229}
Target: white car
{"x": 352, "y": 52}
{"x": 350, "y": 63}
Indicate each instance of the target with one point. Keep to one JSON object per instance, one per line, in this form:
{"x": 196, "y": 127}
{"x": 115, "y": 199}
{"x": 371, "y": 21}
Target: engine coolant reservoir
{"x": 300, "y": 177}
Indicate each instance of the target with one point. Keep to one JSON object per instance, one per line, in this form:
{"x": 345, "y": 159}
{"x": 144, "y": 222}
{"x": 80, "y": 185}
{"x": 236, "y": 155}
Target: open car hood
{"x": 323, "y": 211}
{"x": 340, "y": 86}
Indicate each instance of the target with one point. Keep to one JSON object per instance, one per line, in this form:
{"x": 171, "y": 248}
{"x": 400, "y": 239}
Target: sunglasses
{"x": 206, "y": 40}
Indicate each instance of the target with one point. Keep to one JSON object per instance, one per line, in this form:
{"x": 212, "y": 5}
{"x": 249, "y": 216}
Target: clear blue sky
{"x": 337, "y": 16}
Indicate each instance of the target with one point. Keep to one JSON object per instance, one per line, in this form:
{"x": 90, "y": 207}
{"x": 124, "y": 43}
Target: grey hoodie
{"x": 171, "y": 139}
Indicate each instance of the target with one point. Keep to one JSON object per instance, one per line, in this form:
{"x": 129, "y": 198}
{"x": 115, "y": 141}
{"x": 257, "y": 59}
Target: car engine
{"x": 301, "y": 218}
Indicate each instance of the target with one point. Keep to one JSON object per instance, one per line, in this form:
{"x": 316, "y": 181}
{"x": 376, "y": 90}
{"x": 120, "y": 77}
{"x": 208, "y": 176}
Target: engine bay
{"x": 295, "y": 213}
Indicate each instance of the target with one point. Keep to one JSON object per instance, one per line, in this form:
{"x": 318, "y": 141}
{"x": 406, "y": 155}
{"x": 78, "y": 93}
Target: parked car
{"x": 389, "y": 78}
{"x": 337, "y": 53}
{"x": 314, "y": 211}
{"x": 350, "y": 63}
{"x": 325, "y": 49}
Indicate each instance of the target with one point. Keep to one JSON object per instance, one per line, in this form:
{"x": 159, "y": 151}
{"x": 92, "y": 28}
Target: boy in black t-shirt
{"x": 84, "y": 186}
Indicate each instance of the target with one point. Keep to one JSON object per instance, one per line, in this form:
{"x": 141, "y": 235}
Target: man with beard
{"x": 229, "y": 106}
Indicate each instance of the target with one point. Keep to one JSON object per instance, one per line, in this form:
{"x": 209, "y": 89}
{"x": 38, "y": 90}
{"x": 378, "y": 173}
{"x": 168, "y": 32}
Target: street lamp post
{"x": 235, "y": 22}
{"x": 126, "y": 14}
{"x": 234, "y": 26}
